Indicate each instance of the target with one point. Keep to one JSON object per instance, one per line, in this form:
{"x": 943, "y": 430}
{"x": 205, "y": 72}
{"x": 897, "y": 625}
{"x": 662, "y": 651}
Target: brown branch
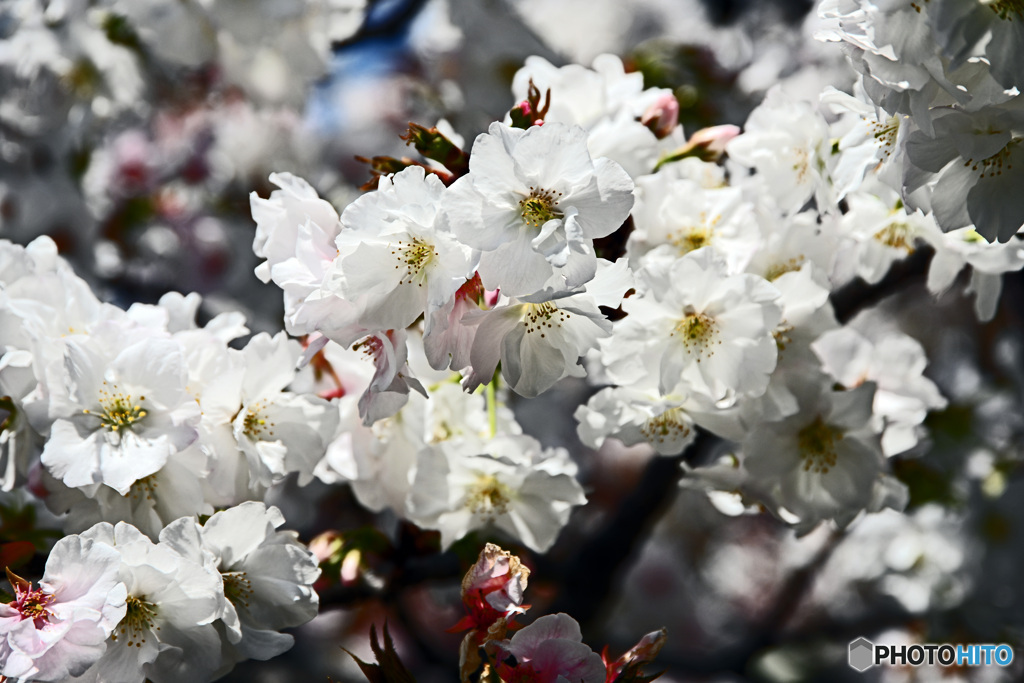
{"x": 588, "y": 579}
{"x": 854, "y": 297}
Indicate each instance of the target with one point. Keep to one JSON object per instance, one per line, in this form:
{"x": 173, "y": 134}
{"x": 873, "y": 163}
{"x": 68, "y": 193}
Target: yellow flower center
{"x": 898, "y": 235}
{"x": 541, "y": 317}
{"x": 139, "y": 618}
{"x": 539, "y": 207}
{"x": 414, "y": 256}
{"x": 118, "y": 410}
{"x": 692, "y": 237}
{"x": 697, "y": 332}
{"x": 993, "y": 165}
{"x": 237, "y": 588}
{"x": 255, "y": 424}
{"x": 817, "y": 444}
{"x": 35, "y": 605}
{"x": 781, "y": 335}
{"x": 489, "y": 498}
{"x": 885, "y": 133}
{"x": 780, "y": 268}
{"x": 670, "y": 424}
{"x": 972, "y": 236}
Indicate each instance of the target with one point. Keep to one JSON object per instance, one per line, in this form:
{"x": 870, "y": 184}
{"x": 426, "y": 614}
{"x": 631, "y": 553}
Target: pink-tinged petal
{"x": 548, "y": 627}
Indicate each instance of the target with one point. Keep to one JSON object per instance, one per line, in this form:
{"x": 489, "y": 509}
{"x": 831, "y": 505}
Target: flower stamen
{"x": 139, "y": 618}
{"x": 817, "y": 444}
{"x": 670, "y": 424}
{"x": 1006, "y": 9}
{"x": 539, "y": 207}
{"x": 488, "y": 498}
{"x": 118, "y": 410}
{"x": 414, "y": 256}
{"x": 698, "y": 332}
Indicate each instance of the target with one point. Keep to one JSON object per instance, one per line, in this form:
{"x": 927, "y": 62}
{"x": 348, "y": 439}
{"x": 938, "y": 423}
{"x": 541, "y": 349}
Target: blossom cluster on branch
{"x": 486, "y": 271}
{"x": 689, "y": 280}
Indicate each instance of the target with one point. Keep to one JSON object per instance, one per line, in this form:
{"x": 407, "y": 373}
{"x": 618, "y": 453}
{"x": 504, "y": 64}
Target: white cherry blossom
{"x": 507, "y": 482}
{"x": 279, "y": 431}
{"x": 682, "y": 214}
{"x": 539, "y": 340}
{"x": 707, "y": 328}
{"x": 787, "y": 141}
{"x": 823, "y": 462}
{"x": 607, "y": 101}
{"x": 267, "y": 577}
{"x": 166, "y": 634}
{"x": 895, "y": 363}
{"x": 396, "y": 259}
{"x": 532, "y": 203}
{"x": 296, "y": 232}
{"x": 119, "y": 409}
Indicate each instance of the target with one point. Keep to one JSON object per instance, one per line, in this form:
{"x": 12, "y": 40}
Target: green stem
{"x": 492, "y": 405}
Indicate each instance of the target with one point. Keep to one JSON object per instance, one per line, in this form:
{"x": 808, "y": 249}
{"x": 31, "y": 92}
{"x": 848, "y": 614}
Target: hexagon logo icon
{"x": 862, "y": 654}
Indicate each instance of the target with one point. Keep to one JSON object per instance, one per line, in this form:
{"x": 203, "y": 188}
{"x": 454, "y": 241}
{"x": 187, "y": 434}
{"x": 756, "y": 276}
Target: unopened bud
{"x": 707, "y": 144}
{"x": 662, "y": 116}
{"x": 629, "y": 668}
{"x": 714, "y": 139}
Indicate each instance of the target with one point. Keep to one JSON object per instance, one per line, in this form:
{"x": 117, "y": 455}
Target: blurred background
{"x": 133, "y": 131}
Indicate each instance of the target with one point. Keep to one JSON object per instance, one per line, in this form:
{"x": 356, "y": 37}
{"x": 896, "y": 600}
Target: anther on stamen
{"x": 817, "y": 445}
{"x": 118, "y": 410}
{"x": 539, "y": 207}
{"x": 697, "y": 332}
{"x": 488, "y": 498}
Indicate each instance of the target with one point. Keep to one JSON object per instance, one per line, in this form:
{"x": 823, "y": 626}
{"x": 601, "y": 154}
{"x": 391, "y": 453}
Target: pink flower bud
{"x": 662, "y": 116}
{"x": 715, "y": 138}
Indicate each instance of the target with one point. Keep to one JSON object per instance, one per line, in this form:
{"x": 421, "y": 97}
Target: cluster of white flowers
{"x": 443, "y": 274}
{"x": 415, "y": 313}
{"x": 143, "y": 419}
{"x": 455, "y": 462}
{"x": 270, "y": 49}
{"x": 115, "y": 606}
{"x": 944, "y": 76}
{"x": 126, "y": 124}
{"x": 140, "y": 415}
